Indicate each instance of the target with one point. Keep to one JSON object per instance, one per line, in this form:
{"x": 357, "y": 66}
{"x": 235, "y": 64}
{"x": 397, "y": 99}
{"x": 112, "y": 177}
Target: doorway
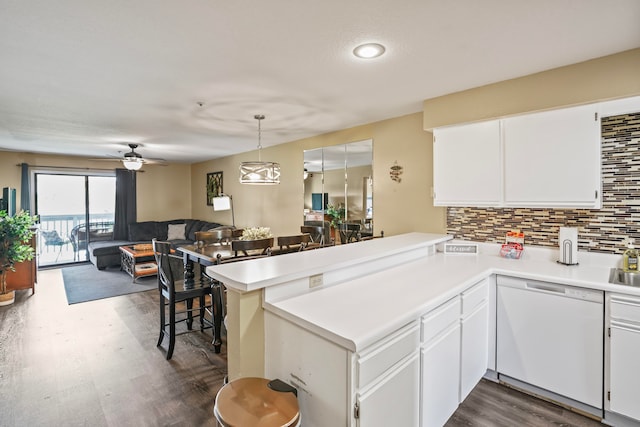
{"x": 73, "y": 209}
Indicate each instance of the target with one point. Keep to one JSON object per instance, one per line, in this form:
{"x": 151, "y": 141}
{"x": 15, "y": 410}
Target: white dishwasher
{"x": 551, "y": 336}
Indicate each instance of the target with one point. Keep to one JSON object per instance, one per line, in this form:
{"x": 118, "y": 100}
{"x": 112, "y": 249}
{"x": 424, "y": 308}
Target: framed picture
{"x": 214, "y": 186}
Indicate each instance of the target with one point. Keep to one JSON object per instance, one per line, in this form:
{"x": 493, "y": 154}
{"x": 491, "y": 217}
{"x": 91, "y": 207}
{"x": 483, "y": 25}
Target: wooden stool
{"x": 251, "y": 402}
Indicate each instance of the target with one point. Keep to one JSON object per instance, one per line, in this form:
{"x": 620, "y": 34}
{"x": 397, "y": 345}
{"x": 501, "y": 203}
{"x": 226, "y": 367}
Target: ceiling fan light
{"x": 132, "y": 164}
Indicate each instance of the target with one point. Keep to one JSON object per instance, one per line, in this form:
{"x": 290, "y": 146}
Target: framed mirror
{"x": 339, "y": 181}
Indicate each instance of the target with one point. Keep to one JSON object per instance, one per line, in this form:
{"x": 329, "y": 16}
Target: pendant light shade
{"x": 261, "y": 173}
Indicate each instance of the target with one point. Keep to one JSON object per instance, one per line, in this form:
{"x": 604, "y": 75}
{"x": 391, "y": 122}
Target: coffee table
{"x": 138, "y": 260}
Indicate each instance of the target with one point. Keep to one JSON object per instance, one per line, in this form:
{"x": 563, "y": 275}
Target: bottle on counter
{"x": 630, "y": 258}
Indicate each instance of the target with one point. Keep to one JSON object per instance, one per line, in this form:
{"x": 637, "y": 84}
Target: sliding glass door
{"x": 73, "y": 209}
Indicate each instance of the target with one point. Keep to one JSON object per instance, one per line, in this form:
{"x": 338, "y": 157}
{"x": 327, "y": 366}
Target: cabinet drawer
{"x": 438, "y": 319}
{"x": 626, "y": 308}
{"x": 474, "y": 296}
{"x": 382, "y": 355}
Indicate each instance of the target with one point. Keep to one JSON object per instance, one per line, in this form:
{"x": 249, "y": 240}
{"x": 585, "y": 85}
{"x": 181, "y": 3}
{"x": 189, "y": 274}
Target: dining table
{"x": 203, "y": 255}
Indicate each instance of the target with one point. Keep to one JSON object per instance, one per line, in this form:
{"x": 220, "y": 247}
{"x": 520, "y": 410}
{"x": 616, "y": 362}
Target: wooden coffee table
{"x": 138, "y": 260}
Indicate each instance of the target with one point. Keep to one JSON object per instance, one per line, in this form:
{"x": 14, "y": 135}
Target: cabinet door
{"x": 473, "y": 358}
{"x": 624, "y": 372}
{"x": 467, "y": 165}
{"x": 552, "y": 158}
{"x": 440, "y": 364}
{"x": 393, "y": 400}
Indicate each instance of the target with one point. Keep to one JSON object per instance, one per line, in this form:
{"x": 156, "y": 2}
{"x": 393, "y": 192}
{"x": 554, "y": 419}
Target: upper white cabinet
{"x": 547, "y": 159}
{"x": 467, "y": 165}
{"x": 552, "y": 159}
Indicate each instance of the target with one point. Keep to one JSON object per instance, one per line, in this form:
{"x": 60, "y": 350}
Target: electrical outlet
{"x": 315, "y": 281}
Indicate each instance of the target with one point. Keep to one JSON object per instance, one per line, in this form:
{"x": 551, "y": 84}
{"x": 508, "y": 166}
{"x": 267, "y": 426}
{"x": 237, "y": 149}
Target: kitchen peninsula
{"x": 306, "y": 271}
{"x": 362, "y": 338}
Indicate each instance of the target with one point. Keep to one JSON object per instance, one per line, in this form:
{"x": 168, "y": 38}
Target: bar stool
{"x": 257, "y": 402}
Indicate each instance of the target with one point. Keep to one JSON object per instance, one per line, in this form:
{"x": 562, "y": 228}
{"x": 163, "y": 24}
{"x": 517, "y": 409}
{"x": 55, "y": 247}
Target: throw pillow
{"x": 176, "y": 231}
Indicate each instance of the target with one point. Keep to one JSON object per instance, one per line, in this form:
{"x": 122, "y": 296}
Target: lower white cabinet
{"x": 475, "y": 337}
{"x": 624, "y": 353}
{"x": 378, "y": 386}
{"x": 393, "y": 399}
{"x": 387, "y": 380}
{"x": 440, "y": 363}
{"x": 414, "y": 376}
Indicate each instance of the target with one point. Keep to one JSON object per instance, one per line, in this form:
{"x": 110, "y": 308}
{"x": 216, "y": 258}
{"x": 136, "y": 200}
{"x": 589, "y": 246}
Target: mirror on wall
{"x": 340, "y": 176}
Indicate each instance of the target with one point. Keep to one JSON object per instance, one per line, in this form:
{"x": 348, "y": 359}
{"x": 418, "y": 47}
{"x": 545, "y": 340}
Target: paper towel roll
{"x": 568, "y": 242}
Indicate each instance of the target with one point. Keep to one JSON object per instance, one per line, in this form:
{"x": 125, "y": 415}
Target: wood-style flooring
{"x": 97, "y": 364}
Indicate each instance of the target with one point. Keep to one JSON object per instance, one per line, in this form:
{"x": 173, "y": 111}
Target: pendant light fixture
{"x": 263, "y": 173}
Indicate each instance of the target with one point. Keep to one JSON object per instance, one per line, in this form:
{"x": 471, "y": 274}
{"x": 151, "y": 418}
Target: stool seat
{"x": 249, "y": 402}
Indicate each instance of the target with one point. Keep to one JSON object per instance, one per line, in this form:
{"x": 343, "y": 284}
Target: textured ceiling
{"x": 88, "y": 77}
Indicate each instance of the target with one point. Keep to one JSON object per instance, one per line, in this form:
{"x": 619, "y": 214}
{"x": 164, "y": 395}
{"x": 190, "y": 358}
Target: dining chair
{"x": 175, "y": 290}
{"x": 316, "y": 233}
{"x": 252, "y": 247}
{"x": 350, "y": 232}
{"x": 223, "y": 234}
{"x": 295, "y": 243}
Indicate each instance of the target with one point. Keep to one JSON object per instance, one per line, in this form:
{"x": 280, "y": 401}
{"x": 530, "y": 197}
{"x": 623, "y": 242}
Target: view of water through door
{"x": 73, "y": 210}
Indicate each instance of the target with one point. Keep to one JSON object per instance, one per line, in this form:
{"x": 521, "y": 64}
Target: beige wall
{"x": 398, "y": 207}
{"x": 609, "y": 77}
{"x": 161, "y": 192}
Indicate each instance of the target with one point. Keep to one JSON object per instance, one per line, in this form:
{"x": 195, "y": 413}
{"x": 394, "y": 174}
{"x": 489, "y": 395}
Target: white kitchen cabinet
{"x": 552, "y": 158}
{"x": 393, "y": 400}
{"x": 467, "y": 165}
{"x": 475, "y": 337}
{"x": 388, "y": 380}
{"x": 544, "y": 159}
{"x": 378, "y": 386}
{"x": 440, "y": 363}
{"x": 624, "y": 350}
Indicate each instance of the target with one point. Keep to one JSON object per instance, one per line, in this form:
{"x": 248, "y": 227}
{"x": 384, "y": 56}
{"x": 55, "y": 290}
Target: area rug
{"x": 86, "y": 283}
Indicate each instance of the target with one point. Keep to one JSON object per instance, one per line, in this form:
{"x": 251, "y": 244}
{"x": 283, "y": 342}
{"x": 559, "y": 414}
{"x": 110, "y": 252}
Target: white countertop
{"x": 355, "y": 314}
{"x": 269, "y": 271}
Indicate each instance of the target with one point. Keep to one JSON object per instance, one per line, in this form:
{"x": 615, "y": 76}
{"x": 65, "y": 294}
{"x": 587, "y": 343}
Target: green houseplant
{"x": 336, "y": 213}
{"x": 15, "y": 232}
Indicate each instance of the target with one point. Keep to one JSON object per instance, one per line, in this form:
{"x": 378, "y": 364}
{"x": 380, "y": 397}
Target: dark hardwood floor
{"x": 96, "y": 364}
{"x": 494, "y": 405}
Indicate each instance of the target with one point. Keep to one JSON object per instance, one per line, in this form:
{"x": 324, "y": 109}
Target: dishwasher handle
{"x": 549, "y": 287}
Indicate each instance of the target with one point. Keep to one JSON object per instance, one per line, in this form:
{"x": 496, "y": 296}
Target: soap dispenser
{"x": 630, "y": 257}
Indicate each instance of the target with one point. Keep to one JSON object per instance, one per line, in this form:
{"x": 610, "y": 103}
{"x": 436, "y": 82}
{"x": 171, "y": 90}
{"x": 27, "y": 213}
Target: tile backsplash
{"x": 601, "y": 230}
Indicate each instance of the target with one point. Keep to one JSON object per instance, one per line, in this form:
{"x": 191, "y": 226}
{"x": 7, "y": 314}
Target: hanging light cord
{"x": 259, "y": 118}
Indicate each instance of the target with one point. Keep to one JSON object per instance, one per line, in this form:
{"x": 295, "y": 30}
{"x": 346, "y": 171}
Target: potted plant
{"x": 336, "y": 217}
{"x": 336, "y": 214}
{"x": 15, "y": 232}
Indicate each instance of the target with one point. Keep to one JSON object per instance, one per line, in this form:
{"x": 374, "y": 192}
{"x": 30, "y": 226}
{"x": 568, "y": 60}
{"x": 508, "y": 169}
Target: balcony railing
{"x": 49, "y": 254}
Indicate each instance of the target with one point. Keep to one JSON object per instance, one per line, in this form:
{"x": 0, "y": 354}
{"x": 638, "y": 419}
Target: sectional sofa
{"x": 106, "y": 253}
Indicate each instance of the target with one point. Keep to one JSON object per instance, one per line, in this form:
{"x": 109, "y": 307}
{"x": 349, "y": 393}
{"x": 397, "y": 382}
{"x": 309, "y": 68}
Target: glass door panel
{"x": 65, "y": 204}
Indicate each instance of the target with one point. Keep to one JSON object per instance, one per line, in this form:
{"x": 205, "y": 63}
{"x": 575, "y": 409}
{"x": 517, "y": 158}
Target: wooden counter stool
{"x": 257, "y": 402}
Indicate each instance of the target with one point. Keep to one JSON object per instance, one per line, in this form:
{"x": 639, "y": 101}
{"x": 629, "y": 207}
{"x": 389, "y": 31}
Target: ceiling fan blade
{"x": 160, "y": 162}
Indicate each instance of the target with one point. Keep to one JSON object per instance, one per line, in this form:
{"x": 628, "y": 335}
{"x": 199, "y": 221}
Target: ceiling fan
{"x": 134, "y": 160}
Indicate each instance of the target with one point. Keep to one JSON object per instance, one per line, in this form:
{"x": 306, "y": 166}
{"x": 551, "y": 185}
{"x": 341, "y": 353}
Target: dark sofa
{"x": 106, "y": 253}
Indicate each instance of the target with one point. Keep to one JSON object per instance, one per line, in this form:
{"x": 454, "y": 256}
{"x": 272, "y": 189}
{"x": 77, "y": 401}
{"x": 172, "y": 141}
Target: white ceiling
{"x": 88, "y": 77}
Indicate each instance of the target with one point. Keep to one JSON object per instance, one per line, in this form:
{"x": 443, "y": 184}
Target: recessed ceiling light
{"x": 369, "y": 50}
